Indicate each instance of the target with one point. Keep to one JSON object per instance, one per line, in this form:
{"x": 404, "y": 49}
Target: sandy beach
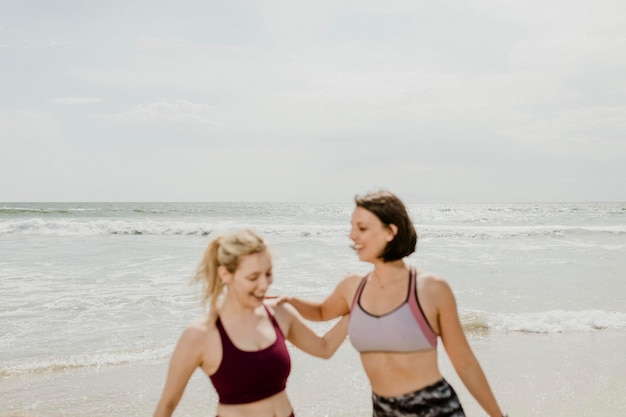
{"x": 571, "y": 375}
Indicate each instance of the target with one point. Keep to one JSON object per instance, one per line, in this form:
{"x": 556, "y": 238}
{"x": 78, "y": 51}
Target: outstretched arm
{"x": 460, "y": 352}
{"x": 309, "y": 309}
{"x": 185, "y": 359}
{"x": 335, "y": 305}
{"x": 304, "y": 338}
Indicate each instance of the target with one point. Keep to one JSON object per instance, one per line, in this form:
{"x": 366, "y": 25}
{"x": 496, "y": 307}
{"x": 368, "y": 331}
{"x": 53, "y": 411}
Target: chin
{"x": 256, "y": 301}
{"x": 364, "y": 258}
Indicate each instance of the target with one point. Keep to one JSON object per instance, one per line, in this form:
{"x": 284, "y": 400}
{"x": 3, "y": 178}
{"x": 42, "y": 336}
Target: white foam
{"x": 556, "y": 321}
{"x": 102, "y": 227}
{"x": 509, "y": 231}
{"x": 62, "y": 227}
{"x": 38, "y": 226}
{"x": 83, "y": 361}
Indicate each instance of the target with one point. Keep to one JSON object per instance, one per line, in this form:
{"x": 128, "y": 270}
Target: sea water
{"x": 93, "y": 297}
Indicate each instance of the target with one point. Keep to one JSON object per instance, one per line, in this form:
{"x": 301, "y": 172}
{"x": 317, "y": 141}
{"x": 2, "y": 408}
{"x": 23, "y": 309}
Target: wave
{"x": 503, "y": 232}
{"x": 44, "y": 210}
{"x": 89, "y": 227}
{"x": 101, "y": 227}
{"x": 150, "y": 227}
{"x": 474, "y": 322}
{"x": 78, "y": 362}
{"x": 556, "y": 321}
{"x": 236, "y": 210}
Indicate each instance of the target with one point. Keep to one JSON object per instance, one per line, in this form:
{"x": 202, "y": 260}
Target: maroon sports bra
{"x": 248, "y": 376}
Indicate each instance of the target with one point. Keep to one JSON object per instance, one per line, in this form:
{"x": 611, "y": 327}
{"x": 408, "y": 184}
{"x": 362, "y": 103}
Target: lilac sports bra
{"x": 404, "y": 329}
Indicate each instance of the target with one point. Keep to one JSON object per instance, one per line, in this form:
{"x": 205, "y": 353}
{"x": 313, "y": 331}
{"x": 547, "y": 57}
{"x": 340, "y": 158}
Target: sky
{"x": 234, "y": 100}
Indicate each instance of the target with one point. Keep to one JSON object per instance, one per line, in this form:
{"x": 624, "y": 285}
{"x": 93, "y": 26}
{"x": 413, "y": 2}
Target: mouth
{"x": 356, "y": 247}
{"x": 259, "y": 297}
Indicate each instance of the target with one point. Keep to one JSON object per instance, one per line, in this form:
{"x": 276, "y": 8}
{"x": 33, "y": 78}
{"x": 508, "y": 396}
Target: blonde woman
{"x": 240, "y": 343}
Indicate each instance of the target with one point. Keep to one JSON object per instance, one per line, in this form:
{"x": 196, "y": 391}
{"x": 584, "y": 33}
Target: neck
{"x": 235, "y": 308}
{"x": 388, "y": 273}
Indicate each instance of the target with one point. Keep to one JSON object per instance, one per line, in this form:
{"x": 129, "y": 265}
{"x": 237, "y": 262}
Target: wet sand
{"x": 569, "y": 374}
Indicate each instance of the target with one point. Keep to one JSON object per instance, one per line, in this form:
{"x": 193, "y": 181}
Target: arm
{"x": 185, "y": 359}
{"x": 335, "y": 305}
{"x": 303, "y": 337}
{"x": 460, "y": 352}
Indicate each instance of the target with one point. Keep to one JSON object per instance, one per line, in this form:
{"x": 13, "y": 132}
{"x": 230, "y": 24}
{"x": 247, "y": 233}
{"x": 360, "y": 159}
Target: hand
{"x": 277, "y": 299}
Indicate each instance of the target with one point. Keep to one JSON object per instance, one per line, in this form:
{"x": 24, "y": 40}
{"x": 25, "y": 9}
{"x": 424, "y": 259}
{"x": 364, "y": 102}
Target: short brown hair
{"x": 391, "y": 210}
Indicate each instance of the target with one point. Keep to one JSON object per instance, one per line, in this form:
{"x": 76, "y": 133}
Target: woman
{"x": 240, "y": 344}
{"x": 397, "y": 314}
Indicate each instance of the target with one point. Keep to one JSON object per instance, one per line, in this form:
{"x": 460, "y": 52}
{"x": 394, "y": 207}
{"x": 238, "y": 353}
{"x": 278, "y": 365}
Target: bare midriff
{"x": 396, "y": 373}
{"x": 277, "y": 405}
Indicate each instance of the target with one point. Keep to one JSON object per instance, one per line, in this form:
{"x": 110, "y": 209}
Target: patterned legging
{"x": 436, "y": 400}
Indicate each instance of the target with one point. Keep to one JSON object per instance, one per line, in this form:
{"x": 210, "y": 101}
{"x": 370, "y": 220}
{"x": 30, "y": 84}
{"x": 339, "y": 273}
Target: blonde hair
{"x": 224, "y": 250}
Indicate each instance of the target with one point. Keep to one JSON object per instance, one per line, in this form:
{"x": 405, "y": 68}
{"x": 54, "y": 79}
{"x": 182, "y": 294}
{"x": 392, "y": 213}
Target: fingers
{"x": 277, "y": 299}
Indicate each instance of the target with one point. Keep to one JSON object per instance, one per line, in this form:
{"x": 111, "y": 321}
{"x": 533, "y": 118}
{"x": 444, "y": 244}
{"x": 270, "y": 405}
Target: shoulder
{"x": 347, "y": 287}
{"x": 352, "y": 277}
{"x": 284, "y": 314}
{"x": 202, "y": 324}
{"x": 199, "y": 345}
{"x": 280, "y": 310}
{"x": 350, "y": 282}
{"x": 199, "y": 331}
{"x": 433, "y": 286}
{"x": 428, "y": 278}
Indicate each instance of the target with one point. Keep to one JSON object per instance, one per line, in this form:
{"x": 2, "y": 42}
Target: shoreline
{"x": 573, "y": 374}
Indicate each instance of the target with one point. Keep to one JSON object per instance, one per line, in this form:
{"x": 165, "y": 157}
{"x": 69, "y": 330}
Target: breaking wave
{"x": 556, "y": 321}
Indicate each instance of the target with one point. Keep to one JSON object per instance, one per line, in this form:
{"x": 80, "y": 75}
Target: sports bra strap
{"x": 412, "y": 282}
{"x": 412, "y": 285}
{"x": 357, "y": 294}
{"x": 272, "y": 319}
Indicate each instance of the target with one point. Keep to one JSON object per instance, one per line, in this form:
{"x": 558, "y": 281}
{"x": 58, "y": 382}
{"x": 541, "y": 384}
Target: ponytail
{"x": 224, "y": 250}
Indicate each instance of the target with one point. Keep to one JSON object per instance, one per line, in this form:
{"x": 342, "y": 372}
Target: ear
{"x": 394, "y": 232}
{"x": 224, "y": 275}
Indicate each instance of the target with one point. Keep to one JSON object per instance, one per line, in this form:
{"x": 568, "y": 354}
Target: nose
{"x": 265, "y": 281}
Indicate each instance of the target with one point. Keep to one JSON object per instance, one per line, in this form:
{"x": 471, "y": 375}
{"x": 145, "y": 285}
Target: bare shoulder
{"x": 199, "y": 345}
{"x": 202, "y": 324}
{"x": 346, "y": 289}
{"x": 433, "y": 286}
{"x": 282, "y": 311}
{"x": 279, "y": 308}
{"x": 352, "y": 277}
{"x": 349, "y": 282}
{"x": 428, "y": 278}
{"x": 200, "y": 330}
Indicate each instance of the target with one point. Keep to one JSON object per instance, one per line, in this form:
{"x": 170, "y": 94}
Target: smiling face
{"x": 369, "y": 234}
{"x": 250, "y": 281}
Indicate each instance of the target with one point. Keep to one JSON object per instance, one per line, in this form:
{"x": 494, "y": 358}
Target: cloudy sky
{"x": 235, "y": 100}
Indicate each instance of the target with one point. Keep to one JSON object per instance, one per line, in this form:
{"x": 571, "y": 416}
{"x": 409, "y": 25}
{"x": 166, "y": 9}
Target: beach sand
{"x": 564, "y": 374}
{"x": 559, "y": 374}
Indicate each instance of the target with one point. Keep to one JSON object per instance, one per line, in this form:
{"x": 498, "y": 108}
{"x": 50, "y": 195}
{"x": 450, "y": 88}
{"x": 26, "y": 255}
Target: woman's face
{"x": 250, "y": 281}
{"x": 369, "y": 234}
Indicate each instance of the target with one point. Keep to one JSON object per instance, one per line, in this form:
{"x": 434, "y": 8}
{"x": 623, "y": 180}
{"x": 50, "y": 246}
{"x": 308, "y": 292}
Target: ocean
{"x": 93, "y": 297}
